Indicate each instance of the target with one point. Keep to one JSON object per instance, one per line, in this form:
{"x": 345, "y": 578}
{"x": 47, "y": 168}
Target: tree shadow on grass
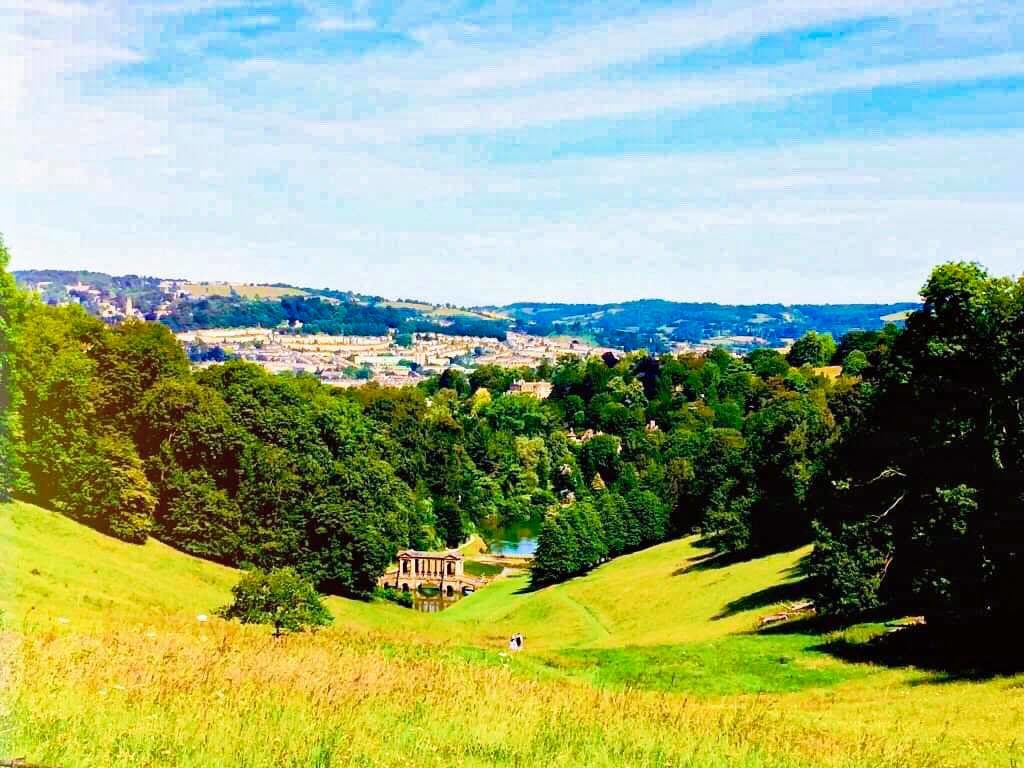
{"x": 716, "y": 560}
{"x": 955, "y": 652}
{"x": 788, "y": 591}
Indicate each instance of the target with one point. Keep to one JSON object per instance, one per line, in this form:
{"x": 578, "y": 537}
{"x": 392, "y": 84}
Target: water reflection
{"x": 433, "y": 603}
{"x": 517, "y": 538}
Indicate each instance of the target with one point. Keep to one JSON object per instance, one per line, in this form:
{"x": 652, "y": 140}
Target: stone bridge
{"x": 443, "y": 571}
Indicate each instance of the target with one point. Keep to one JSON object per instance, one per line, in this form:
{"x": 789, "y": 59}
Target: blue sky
{"x": 486, "y": 152}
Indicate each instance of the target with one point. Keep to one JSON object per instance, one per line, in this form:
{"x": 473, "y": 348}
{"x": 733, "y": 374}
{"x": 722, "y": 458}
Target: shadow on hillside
{"x": 789, "y": 591}
{"x": 716, "y": 560}
{"x": 956, "y": 653}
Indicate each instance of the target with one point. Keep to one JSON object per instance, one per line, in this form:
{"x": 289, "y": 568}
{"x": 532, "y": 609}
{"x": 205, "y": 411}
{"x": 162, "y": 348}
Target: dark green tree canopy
{"x": 927, "y": 511}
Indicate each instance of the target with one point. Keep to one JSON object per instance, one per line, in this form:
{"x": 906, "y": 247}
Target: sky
{"x": 488, "y": 152}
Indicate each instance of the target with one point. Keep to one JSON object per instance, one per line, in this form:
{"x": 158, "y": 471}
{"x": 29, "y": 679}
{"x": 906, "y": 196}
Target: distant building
{"x": 831, "y": 372}
{"x": 539, "y": 389}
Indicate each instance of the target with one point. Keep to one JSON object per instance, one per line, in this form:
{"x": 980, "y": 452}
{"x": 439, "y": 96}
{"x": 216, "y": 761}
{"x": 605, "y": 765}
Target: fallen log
{"x": 790, "y": 611}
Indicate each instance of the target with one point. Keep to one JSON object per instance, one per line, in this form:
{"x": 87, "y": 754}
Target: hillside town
{"x": 347, "y": 361}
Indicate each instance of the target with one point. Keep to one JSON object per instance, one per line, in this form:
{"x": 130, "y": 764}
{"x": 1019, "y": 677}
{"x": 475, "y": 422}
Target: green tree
{"x": 814, "y": 349}
{"x": 10, "y": 313}
{"x": 787, "y": 443}
{"x": 932, "y": 462}
{"x": 600, "y": 456}
{"x": 612, "y": 511}
{"x": 556, "y": 556}
{"x": 650, "y": 514}
{"x": 107, "y": 489}
{"x": 855, "y": 363}
{"x": 767, "y": 363}
{"x": 281, "y": 598}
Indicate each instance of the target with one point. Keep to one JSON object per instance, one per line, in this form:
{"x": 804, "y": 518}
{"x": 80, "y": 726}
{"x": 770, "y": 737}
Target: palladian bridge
{"x": 442, "y": 570}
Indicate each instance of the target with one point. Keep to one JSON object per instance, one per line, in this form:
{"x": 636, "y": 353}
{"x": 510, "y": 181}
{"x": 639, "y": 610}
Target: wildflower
{"x": 201, "y": 617}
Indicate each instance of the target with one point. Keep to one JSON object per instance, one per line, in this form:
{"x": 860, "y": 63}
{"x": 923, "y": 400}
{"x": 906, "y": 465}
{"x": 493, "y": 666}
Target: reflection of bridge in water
{"x": 443, "y": 571}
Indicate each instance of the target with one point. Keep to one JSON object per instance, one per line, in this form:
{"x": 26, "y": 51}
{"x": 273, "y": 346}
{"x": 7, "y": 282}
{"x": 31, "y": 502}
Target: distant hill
{"x": 656, "y": 324}
{"x": 185, "y": 305}
{"x": 653, "y": 324}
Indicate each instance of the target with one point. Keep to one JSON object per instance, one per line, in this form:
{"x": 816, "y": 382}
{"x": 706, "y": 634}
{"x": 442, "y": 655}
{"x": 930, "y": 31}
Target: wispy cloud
{"x": 263, "y": 20}
{"x": 342, "y": 24}
{"x": 401, "y": 159}
{"x": 638, "y": 96}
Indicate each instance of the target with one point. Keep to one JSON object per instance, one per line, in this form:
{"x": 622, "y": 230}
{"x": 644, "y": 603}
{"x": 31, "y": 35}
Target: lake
{"x": 517, "y": 538}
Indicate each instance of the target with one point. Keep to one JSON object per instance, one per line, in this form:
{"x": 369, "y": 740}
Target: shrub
{"x": 398, "y": 597}
{"x": 281, "y": 598}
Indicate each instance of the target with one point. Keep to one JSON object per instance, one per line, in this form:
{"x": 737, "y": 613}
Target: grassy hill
{"x": 245, "y": 290}
{"x": 651, "y": 660}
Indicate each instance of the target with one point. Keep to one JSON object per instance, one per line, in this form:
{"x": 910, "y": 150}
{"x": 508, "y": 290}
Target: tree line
{"x": 903, "y": 463}
{"x": 313, "y": 314}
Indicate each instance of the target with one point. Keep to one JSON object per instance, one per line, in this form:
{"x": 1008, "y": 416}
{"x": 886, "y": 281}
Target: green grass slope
{"x": 53, "y": 568}
{"x": 668, "y": 618}
{"x": 652, "y": 659}
{"x": 666, "y": 594}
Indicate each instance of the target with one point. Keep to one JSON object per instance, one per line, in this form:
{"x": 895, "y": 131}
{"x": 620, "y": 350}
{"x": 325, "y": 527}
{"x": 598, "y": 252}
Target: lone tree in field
{"x": 281, "y": 597}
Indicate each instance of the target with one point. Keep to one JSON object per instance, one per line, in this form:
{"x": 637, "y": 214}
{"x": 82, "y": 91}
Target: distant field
{"x": 242, "y": 289}
{"x": 896, "y": 317}
{"x": 431, "y": 310}
{"x": 728, "y": 341}
{"x": 651, "y": 660}
{"x": 561, "y": 338}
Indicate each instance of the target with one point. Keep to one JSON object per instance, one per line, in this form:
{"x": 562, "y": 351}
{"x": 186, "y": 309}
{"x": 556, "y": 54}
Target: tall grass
{"x": 647, "y": 661}
{"x": 224, "y": 695}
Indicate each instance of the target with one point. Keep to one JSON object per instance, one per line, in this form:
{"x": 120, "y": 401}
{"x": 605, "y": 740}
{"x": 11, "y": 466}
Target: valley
{"x": 650, "y": 660}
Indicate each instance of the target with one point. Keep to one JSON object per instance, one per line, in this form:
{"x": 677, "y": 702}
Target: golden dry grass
{"x": 648, "y": 661}
{"x": 242, "y": 289}
{"x": 217, "y": 694}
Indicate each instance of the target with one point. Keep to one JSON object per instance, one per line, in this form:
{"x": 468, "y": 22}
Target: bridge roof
{"x": 451, "y": 554}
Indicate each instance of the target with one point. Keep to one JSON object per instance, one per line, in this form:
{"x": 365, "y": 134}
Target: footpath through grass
{"x": 651, "y": 660}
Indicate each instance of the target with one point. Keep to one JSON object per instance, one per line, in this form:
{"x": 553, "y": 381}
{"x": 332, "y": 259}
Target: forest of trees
{"x": 314, "y": 315}
{"x": 907, "y": 470}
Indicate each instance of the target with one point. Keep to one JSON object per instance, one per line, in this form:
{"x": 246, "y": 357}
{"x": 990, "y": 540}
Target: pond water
{"x": 517, "y": 538}
{"x": 432, "y": 603}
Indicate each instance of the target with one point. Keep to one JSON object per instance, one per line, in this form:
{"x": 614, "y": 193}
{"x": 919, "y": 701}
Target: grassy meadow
{"x": 244, "y": 290}
{"x": 650, "y": 660}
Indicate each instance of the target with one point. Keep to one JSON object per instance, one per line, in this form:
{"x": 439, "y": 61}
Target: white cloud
{"x": 672, "y": 30}
{"x": 341, "y": 24}
{"x": 643, "y": 96}
{"x": 313, "y": 170}
{"x": 263, "y": 20}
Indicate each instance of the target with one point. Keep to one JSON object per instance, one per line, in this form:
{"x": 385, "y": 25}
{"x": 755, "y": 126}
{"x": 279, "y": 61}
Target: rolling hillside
{"x": 655, "y": 324}
{"x": 649, "y": 660}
